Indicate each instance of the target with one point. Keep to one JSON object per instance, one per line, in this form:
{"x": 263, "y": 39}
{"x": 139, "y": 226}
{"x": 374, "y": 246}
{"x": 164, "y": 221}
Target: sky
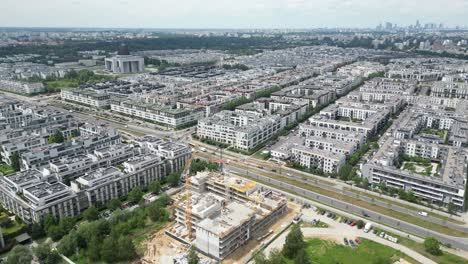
{"x": 228, "y": 13}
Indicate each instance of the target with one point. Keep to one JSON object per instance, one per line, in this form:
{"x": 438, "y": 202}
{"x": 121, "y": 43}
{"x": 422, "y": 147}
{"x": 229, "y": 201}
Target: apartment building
{"x": 164, "y": 115}
{"x": 28, "y": 196}
{"x": 244, "y": 131}
{"x": 86, "y": 97}
{"x": 21, "y": 87}
{"x": 450, "y": 90}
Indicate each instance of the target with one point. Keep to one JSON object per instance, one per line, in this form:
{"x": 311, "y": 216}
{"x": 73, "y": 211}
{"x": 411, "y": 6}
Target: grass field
{"x": 368, "y": 252}
{"x": 445, "y": 258}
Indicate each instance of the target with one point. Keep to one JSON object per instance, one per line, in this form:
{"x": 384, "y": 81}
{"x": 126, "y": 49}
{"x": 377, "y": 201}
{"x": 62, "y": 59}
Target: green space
{"x": 6, "y": 169}
{"x": 368, "y": 252}
{"x": 73, "y": 79}
{"x": 355, "y": 201}
{"x": 319, "y": 224}
{"x": 297, "y": 250}
{"x": 432, "y": 131}
{"x": 415, "y": 164}
{"x": 441, "y": 257}
{"x": 262, "y": 154}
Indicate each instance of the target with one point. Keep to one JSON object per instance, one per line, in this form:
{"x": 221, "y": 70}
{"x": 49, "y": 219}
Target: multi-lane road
{"x": 458, "y": 242}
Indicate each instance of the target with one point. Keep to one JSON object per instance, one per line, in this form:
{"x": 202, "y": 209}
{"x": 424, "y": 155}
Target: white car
{"x": 422, "y": 213}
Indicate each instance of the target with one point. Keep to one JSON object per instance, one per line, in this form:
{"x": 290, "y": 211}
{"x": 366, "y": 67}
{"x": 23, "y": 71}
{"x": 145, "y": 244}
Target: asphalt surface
{"x": 457, "y": 242}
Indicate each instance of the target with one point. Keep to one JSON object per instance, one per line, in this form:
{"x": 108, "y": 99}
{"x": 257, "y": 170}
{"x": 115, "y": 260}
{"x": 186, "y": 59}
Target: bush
{"x": 360, "y": 224}
{"x": 432, "y": 246}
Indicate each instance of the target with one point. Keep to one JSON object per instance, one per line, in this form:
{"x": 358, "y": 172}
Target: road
{"x": 340, "y": 188}
{"x": 461, "y": 243}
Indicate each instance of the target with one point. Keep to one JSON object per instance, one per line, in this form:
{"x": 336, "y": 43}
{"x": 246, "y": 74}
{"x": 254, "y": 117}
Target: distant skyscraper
{"x": 388, "y": 26}
{"x": 418, "y": 25}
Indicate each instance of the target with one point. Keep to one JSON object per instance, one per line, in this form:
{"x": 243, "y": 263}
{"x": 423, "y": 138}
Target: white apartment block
{"x": 244, "y": 131}
{"x": 450, "y": 90}
{"x": 21, "y": 87}
{"x": 91, "y": 98}
{"x": 163, "y": 115}
{"x": 328, "y": 162}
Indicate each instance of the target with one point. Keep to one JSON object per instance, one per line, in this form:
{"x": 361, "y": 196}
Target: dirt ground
{"x": 160, "y": 248}
{"x": 242, "y": 253}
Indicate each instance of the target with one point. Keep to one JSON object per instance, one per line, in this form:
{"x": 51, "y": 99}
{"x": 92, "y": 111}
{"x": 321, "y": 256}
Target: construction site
{"x": 225, "y": 213}
{"x": 223, "y": 216}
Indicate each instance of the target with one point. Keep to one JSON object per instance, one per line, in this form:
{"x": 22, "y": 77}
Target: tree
{"x": 55, "y": 232}
{"x": 42, "y": 252}
{"x": 37, "y": 231}
{"x": 108, "y": 250}
{"x": 135, "y": 195}
{"x": 75, "y": 133}
{"x": 126, "y": 249}
{"x": 452, "y": 208}
{"x": 91, "y": 214}
{"x": 19, "y": 254}
{"x": 157, "y": 213}
{"x": 360, "y": 224}
{"x": 294, "y": 242}
{"x": 302, "y": 257}
{"x": 66, "y": 224}
{"x": 345, "y": 172}
{"x": 68, "y": 244}
{"x": 276, "y": 258}
{"x": 94, "y": 251}
{"x": 173, "y": 179}
{"x": 155, "y": 187}
{"x": 432, "y": 246}
{"x": 15, "y": 161}
{"x": 114, "y": 204}
{"x": 193, "y": 257}
{"x": 53, "y": 258}
{"x": 57, "y": 137}
{"x": 260, "y": 258}
{"x": 49, "y": 221}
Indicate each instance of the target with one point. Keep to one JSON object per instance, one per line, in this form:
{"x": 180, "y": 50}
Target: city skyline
{"x": 224, "y": 14}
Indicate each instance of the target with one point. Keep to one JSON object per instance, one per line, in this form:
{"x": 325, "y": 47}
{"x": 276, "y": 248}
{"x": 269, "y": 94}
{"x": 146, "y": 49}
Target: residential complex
{"x": 90, "y": 167}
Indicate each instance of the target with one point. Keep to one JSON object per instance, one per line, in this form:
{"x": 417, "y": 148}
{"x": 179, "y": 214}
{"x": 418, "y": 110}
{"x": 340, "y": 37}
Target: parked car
{"x": 351, "y": 242}
{"x": 346, "y": 241}
{"x": 353, "y": 223}
{"x": 358, "y": 241}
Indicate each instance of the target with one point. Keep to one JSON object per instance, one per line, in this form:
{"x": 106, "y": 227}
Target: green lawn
{"x": 432, "y": 131}
{"x": 368, "y": 252}
{"x": 445, "y": 258}
{"x": 6, "y": 169}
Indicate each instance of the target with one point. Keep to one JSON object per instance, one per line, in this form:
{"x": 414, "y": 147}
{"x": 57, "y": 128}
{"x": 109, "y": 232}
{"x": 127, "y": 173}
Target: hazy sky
{"x": 229, "y": 13}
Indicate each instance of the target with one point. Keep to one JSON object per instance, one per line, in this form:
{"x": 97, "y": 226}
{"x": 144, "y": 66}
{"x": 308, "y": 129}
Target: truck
{"x": 367, "y": 227}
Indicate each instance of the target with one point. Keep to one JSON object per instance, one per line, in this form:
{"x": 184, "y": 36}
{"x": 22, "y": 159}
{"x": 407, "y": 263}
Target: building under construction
{"x": 226, "y": 211}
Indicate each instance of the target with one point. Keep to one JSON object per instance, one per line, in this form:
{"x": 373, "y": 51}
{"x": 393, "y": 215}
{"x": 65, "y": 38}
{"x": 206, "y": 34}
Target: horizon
{"x": 222, "y": 14}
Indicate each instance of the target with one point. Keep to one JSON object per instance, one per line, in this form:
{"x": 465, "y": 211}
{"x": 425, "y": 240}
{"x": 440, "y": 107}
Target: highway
{"x": 457, "y": 242}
